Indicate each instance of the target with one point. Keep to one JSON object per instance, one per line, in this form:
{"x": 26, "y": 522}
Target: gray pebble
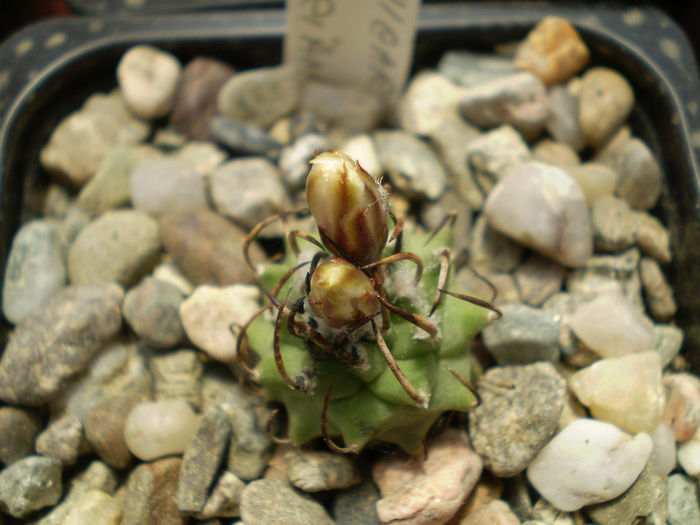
{"x": 63, "y": 439}
{"x": 519, "y": 413}
{"x": 668, "y": 341}
{"x": 248, "y": 190}
{"x": 605, "y": 101}
{"x": 317, "y": 471}
{"x": 519, "y": 99}
{"x": 682, "y": 497}
{"x": 273, "y": 502}
{"x": 657, "y": 291}
{"x": 243, "y": 137}
{"x": 161, "y": 185}
{"x": 652, "y": 237}
{"x": 56, "y": 201}
{"x": 250, "y": 445}
{"x": 538, "y": 278}
{"x": 150, "y": 492}
{"x": 82, "y": 139}
{"x": 491, "y": 250}
{"x": 294, "y": 159}
{"x": 411, "y": 164}
{"x": 202, "y": 459}
{"x": 30, "y": 484}
{"x": 357, "y": 505}
{"x": 639, "y": 173}
{"x": 613, "y": 224}
{"x": 69, "y": 228}
{"x": 152, "y": 310}
{"x": 18, "y": 428}
{"x": 225, "y": 498}
{"x": 56, "y": 342}
{"x": 563, "y": 305}
{"x": 178, "y": 375}
{"x": 120, "y": 246}
{"x": 523, "y": 335}
{"x": 204, "y": 157}
{"x": 429, "y": 99}
{"x": 34, "y": 271}
{"x": 469, "y": 69}
{"x": 563, "y": 122}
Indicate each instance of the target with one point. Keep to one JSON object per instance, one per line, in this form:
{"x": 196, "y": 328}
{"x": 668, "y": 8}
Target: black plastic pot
{"x": 48, "y": 69}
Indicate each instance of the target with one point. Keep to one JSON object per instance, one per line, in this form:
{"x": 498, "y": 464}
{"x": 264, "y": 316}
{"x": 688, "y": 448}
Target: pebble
{"x": 202, "y": 459}
{"x": 206, "y": 247}
{"x": 626, "y": 391}
{"x": 209, "y": 312}
{"x": 120, "y": 246}
{"x": 68, "y": 229}
{"x": 95, "y": 507}
{"x": 411, "y": 164}
{"x": 689, "y": 455}
{"x": 34, "y": 270}
{"x": 248, "y": 190}
{"x": 274, "y": 502}
{"x": 652, "y": 237}
{"x": 149, "y": 494}
{"x": 595, "y": 179}
{"x": 243, "y": 138}
{"x": 148, "y": 78}
{"x": 646, "y": 494}
{"x": 490, "y": 250}
{"x": 518, "y": 414}
{"x": 553, "y": 50}
{"x": 109, "y": 187}
{"x": 496, "y": 512}
{"x": 63, "y": 439}
{"x": 588, "y": 462}
{"x": 225, "y": 498}
{"x": 203, "y": 156}
{"x": 545, "y": 209}
{"x": 519, "y": 99}
{"x": 430, "y": 489}
{"x": 492, "y": 155}
{"x": 294, "y": 158}
{"x": 605, "y": 102}
{"x": 523, "y": 335}
{"x": 544, "y": 513}
{"x": 657, "y": 290}
{"x": 30, "y": 484}
{"x": 82, "y": 139}
{"x": 614, "y": 227}
{"x": 682, "y": 410}
{"x": 18, "y": 428}
{"x": 163, "y": 185}
{"x": 178, "y": 375}
{"x": 288, "y": 129}
{"x": 56, "y": 201}
{"x": 56, "y": 342}
{"x": 250, "y": 447}
{"x": 563, "y": 123}
{"x": 428, "y": 99}
{"x": 195, "y": 100}
{"x": 468, "y": 68}
{"x": 154, "y": 429}
{"x": 639, "y": 173}
{"x": 663, "y": 456}
{"x": 612, "y": 326}
{"x": 260, "y": 96}
{"x": 552, "y": 152}
{"x": 168, "y": 272}
{"x": 357, "y": 505}
{"x": 682, "y": 497}
{"x": 488, "y": 489}
{"x": 538, "y": 278}
{"x": 563, "y": 305}
{"x": 497, "y": 287}
{"x": 316, "y": 471}
{"x": 151, "y": 309}
{"x": 362, "y": 149}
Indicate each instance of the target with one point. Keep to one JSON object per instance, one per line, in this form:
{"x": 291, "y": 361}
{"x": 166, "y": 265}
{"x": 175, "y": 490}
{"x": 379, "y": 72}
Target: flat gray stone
{"x": 682, "y": 500}
{"x": 178, "y": 375}
{"x": 152, "y": 310}
{"x": 469, "y": 69}
{"x": 30, "y": 484}
{"x": 244, "y": 138}
{"x": 357, "y": 505}
{"x": 274, "y": 502}
{"x": 18, "y": 428}
{"x": 150, "y": 492}
{"x": 317, "y": 471}
{"x": 63, "y": 439}
{"x": 538, "y": 278}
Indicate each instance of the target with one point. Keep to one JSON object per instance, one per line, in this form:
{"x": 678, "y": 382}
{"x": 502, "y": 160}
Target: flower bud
{"x": 349, "y": 207}
{"x": 341, "y": 294}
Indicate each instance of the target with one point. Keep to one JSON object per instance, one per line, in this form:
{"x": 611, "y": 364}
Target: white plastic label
{"x": 365, "y": 43}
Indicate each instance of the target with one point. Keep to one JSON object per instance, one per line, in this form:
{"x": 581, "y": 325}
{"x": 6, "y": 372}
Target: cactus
{"x": 355, "y": 346}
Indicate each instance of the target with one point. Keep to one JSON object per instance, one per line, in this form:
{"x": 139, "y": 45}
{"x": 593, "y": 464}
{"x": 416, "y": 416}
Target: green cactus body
{"x": 367, "y": 402}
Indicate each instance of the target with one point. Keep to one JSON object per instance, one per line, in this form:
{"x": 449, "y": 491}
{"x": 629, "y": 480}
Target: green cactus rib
{"x": 367, "y": 403}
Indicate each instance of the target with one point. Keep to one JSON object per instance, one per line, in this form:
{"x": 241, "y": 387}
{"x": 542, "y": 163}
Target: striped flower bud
{"x": 341, "y": 294}
{"x": 349, "y": 207}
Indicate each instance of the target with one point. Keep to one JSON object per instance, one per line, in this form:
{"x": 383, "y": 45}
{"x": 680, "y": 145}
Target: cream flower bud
{"x": 341, "y": 294}
{"x": 349, "y": 207}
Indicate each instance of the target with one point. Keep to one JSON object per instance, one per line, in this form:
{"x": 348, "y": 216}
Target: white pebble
{"x": 154, "y": 429}
{"x": 689, "y": 455}
{"x": 148, "y": 79}
{"x": 612, "y": 326}
{"x": 627, "y": 391}
{"x": 663, "y": 455}
{"x": 588, "y": 462}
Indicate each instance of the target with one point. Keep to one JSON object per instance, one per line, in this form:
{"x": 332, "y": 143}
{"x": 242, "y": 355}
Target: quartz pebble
{"x": 588, "y": 462}
{"x": 682, "y": 409}
{"x": 514, "y": 421}
{"x": 689, "y": 455}
{"x": 95, "y": 507}
{"x": 154, "y": 429}
{"x": 663, "y": 455}
{"x": 428, "y": 99}
{"x": 294, "y": 158}
{"x": 150, "y": 491}
{"x": 657, "y": 290}
{"x": 560, "y": 228}
{"x": 429, "y": 490}
{"x": 18, "y": 428}
{"x": 63, "y": 439}
{"x": 274, "y": 502}
{"x": 652, "y": 237}
{"x": 30, "y": 484}
{"x": 626, "y": 391}
{"x": 613, "y": 224}
{"x": 605, "y": 101}
{"x": 316, "y": 471}
{"x": 595, "y": 179}
{"x": 151, "y": 309}
{"x": 563, "y": 122}
{"x": 34, "y": 270}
